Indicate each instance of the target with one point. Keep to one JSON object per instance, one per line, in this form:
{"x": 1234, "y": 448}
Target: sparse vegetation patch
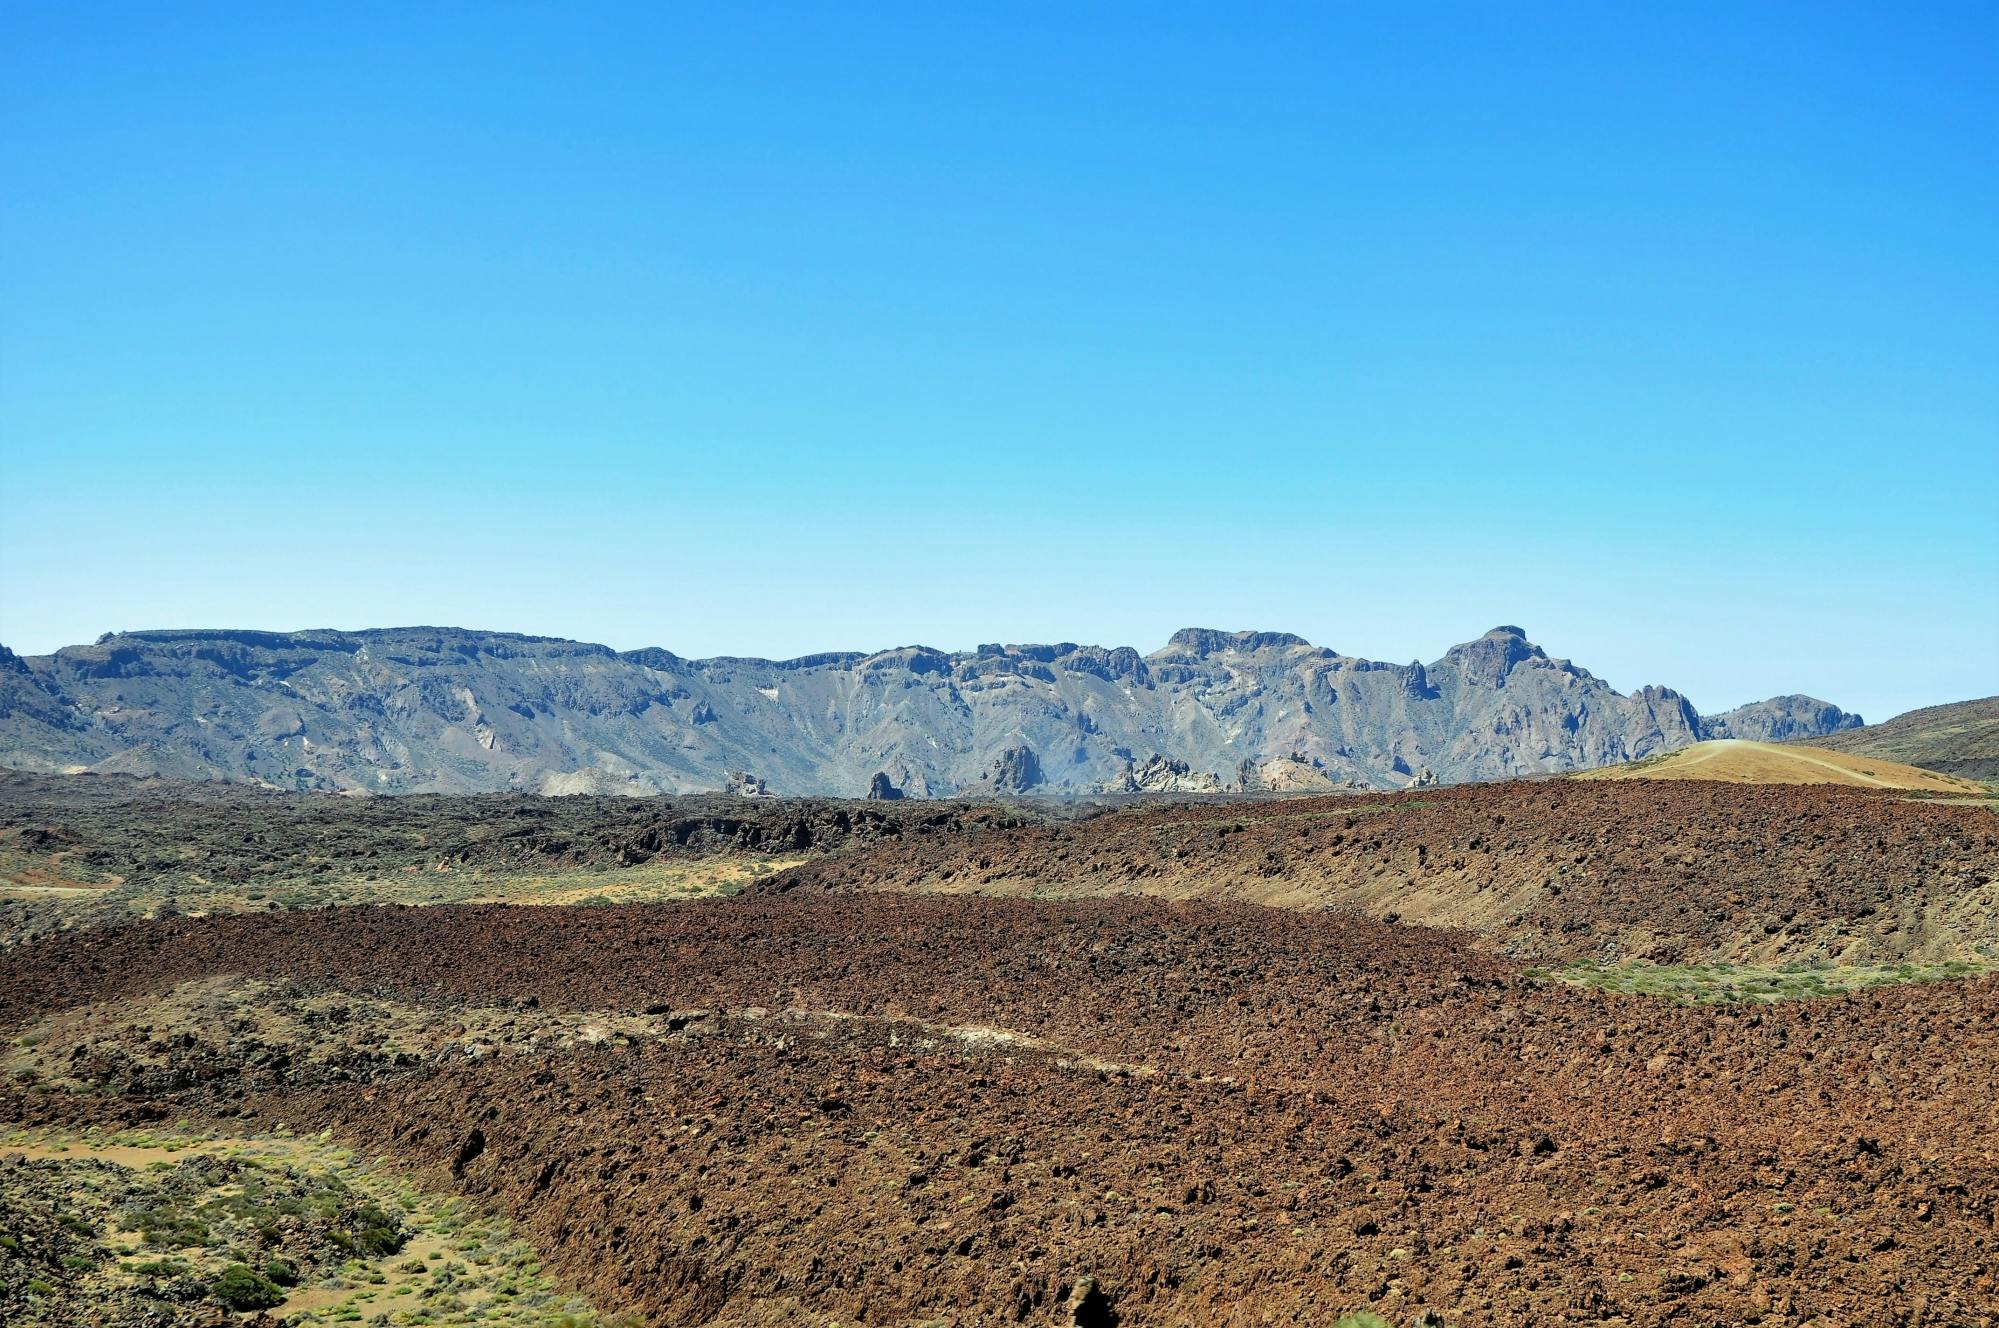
{"x": 166, "y": 1229}
{"x": 1727, "y": 984}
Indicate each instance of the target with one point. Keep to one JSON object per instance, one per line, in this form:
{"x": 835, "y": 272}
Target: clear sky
{"x": 1669, "y": 332}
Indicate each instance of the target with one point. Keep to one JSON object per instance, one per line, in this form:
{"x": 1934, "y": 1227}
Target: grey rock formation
{"x": 882, "y": 789}
{"x": 444, "y": 710}
{"x": 1780, "y": 719}
{"x": 1293, "y": 772}
{"x": 1162, "y": 774}
{"x": 1015, "y": 770}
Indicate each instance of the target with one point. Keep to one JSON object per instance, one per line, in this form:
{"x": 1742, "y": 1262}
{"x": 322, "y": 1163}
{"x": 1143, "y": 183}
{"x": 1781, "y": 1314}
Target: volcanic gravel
{"x": 1672, "y": 871}
{"x": 891, "y": 1109}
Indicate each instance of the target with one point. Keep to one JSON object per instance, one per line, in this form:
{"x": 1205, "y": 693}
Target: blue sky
{"x": 1668, "y": 332}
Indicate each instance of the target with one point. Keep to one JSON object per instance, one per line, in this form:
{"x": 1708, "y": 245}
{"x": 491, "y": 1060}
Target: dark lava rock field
{"x": 1112, "y": 1083}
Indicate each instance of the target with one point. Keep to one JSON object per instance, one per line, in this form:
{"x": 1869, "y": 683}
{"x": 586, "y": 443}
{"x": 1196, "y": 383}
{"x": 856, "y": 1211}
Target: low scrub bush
{"x": 242, "y": 1288}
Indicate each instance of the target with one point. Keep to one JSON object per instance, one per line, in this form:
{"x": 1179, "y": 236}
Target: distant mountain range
{"x": 428, "y": 709}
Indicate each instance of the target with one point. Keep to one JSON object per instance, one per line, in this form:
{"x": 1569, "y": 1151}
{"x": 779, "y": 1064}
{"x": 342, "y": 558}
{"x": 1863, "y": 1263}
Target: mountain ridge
{"x": 1958, "y": 738}
{"x": 440, "y": 709}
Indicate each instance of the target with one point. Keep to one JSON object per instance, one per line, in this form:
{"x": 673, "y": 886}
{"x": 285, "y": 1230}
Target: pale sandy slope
{"x": 1741, "y": 762}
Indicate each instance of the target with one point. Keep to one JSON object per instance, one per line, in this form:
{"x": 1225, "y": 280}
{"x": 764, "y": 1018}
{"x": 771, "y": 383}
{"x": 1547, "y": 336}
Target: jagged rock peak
{"x": 915, "y": 659}
{"x": 1204, "y": 641}
{"x": 1505, "y": 637}
{"x": 882, "y": 789}
{"x": 1489, "y": 659}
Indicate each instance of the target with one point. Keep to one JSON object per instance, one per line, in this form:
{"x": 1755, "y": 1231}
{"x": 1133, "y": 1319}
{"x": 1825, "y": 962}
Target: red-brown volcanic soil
{"x": 887, "y": 1109}
{"x": 1672, "y": 871}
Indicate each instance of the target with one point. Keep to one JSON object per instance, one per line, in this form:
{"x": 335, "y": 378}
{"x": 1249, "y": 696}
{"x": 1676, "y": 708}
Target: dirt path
{"x": 1743, "y": 761}
{"x": 1850, "y": 771}
{"x": 1846, "y": 773}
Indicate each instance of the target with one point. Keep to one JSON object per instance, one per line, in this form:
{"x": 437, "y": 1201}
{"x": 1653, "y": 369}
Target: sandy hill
{"x": 1958, "y": 739}
{"x": 1737, "y": 761}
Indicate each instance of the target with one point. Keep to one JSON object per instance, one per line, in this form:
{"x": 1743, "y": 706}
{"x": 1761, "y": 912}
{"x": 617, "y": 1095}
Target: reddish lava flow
{"x": 1674, "y": 871}
{"x": 892, "y": 1109}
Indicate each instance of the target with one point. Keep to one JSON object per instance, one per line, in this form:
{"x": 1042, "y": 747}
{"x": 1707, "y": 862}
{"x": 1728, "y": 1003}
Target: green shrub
{"x": 166, "y": 1225}
{"x": 240, "y": 1288}
{"x": 281, "y": 1273}
{"x": 375, "y": 1232}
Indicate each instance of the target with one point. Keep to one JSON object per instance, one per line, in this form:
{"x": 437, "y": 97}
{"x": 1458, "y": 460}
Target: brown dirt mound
{"x": 1220, "y": 1113}
{"x": 1673, "y": 871}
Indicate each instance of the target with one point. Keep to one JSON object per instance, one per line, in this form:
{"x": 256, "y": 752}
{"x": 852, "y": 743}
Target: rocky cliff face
{"x": 445, "y": 710}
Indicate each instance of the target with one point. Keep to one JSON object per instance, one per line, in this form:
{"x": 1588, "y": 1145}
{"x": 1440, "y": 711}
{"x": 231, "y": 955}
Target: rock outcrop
{"x": 1780, "y": 719}
{"x": 1161, "y": 774}
{"x": 882, "y": 789}
{"x": 1294, "y": 772}
{"x": 1015, "y": 770}
{"x": 429, "y": 709}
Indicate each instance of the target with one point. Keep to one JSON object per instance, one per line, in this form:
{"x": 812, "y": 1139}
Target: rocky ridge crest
{"x": 430, "y": 709}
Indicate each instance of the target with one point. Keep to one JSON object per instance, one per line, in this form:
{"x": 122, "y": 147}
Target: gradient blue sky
{"x": 1670, "y": 332}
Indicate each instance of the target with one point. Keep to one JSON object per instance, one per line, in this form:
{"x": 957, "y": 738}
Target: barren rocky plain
{"x": 1619, "y": 1052}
